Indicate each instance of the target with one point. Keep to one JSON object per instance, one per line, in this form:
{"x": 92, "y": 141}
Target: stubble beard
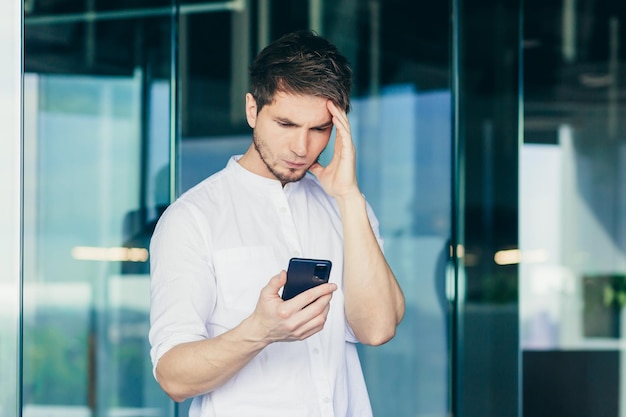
{"x": 280, "y": 176}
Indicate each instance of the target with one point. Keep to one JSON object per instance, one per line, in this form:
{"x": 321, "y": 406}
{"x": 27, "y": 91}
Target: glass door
{"x": 573, "y": 209}
{"x": 97, "y": 102}
{"x": 126, "y": 107}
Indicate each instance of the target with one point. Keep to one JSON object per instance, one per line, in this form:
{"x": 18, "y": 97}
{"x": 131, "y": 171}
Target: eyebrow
{"x": 324, "y": 125}
{"x": 288, "y": 121}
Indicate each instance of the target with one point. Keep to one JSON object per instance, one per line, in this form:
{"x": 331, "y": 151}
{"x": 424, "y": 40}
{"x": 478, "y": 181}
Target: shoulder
{"x": 206, "y": 188}
{"x": 191, "y": 206}
{"x": 207, "y": 195}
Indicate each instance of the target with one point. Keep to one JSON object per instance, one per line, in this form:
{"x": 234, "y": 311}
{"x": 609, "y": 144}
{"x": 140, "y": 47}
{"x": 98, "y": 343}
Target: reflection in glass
{"x": 96, "y": 162}
{"x": 573, "y": 208}
{"x": 98, "y": 156}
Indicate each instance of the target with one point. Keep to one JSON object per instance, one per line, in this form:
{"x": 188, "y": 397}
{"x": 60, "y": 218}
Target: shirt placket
{"x": 279, "y": 199}
{"x": 314, "y": 347}
{"x": 318, "y": 371}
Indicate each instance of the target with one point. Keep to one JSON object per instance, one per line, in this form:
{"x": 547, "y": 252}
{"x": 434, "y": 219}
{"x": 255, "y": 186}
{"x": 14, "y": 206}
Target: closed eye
{"x": 321, "y": 129}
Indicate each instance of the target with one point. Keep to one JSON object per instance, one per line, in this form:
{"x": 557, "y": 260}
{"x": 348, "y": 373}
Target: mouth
{"x": 295, "y": 165}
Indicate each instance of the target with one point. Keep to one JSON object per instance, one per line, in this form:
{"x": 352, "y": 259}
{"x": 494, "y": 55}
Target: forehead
{"x": 301, "y": 109}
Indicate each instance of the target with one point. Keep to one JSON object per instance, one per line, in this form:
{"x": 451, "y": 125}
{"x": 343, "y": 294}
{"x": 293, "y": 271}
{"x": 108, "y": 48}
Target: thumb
{"x": 277, "y": 281}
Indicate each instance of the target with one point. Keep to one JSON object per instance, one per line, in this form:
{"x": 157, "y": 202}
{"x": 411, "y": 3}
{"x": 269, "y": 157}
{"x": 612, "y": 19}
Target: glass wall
{"x": 126, "y": 106}
{"x": 491, "y": 144}
{"x": 11, "y": 208}
{"x": 486, "y": 342}
{"x": 97, "y": 103}
{"x": 573, "y": 209}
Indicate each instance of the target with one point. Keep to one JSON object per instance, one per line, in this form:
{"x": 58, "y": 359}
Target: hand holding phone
{"x": 305, "y": 273}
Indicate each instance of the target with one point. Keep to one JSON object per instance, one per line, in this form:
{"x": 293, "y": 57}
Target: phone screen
{"x": 305, "y": 273}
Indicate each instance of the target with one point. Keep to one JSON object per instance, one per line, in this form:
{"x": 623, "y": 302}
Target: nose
{"x": 299, "y": 143}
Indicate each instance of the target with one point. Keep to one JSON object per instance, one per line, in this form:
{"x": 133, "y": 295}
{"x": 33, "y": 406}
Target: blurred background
{"x": 491, "y": 140}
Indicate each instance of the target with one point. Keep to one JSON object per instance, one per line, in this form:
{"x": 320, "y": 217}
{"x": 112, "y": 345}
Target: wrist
{"x": 350, "y": 199}
{"x": 253, "y": 334}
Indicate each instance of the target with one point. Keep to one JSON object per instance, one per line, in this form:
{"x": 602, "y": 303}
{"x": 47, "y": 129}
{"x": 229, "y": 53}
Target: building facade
{"x": 491, "y": 141}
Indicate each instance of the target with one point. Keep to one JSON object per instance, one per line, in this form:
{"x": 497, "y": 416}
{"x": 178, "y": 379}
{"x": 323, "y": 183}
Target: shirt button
{"x": 326, "y": 399}
{"x": 316, "y": 351}
{"x": 283, "y": 210}
{"x": 297, "y": 253}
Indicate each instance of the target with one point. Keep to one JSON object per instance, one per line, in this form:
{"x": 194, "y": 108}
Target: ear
{"x": 251, "y": 110}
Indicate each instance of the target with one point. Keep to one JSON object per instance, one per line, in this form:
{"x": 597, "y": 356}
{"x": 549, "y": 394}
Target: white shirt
{"x": 213, "y": 251}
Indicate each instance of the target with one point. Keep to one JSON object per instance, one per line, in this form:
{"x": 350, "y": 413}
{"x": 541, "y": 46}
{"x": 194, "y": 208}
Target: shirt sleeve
{"x": 182, "y": 282}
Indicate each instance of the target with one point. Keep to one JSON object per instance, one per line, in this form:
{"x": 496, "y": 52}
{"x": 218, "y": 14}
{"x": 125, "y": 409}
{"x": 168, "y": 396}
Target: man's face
{"x": 289, "y": 135}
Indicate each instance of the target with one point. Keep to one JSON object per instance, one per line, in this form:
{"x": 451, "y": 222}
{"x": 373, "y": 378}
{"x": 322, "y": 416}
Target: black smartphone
{"x": 304, "y": 273}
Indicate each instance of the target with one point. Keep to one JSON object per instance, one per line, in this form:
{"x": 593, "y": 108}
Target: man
{"x": 220, "y": 330}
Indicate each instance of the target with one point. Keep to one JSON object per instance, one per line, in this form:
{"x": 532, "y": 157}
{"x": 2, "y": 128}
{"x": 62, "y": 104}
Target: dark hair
{"x": 301, "y": 63}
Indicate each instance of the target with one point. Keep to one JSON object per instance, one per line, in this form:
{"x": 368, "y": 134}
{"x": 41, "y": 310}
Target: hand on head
{"x": 339, "y": 177}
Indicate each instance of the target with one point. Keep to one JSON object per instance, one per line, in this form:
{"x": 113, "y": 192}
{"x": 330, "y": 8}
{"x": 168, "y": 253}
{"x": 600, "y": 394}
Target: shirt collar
{"x": 257, "y": 181}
